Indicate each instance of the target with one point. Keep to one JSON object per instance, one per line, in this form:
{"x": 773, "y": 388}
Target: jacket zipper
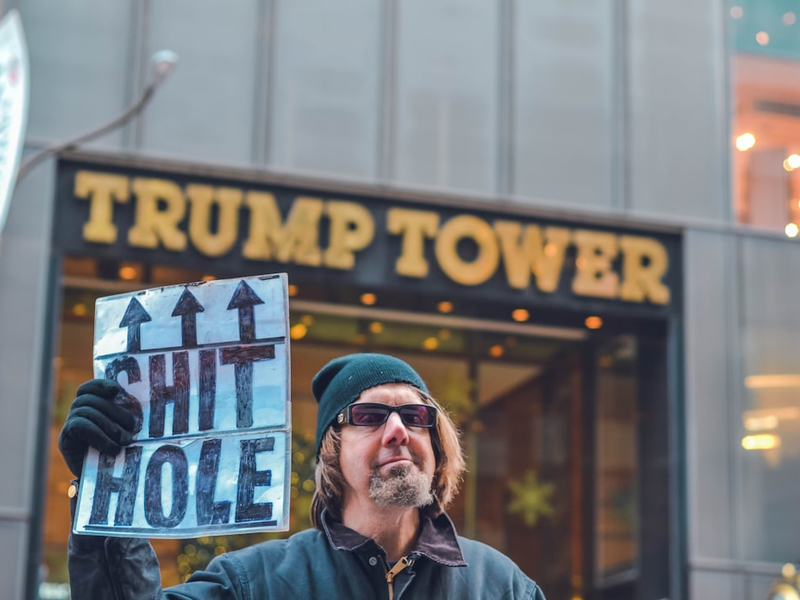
{"x": 392, "y": 573}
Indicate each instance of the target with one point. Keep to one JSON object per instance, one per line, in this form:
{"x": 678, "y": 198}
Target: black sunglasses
{"x": 367, "y": 414}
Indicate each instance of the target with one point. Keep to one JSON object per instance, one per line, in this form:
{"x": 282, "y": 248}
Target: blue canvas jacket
{"x": 331, "y": 564}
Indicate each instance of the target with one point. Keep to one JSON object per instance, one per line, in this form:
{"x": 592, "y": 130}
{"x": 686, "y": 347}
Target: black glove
{"x": 103, "y": 416}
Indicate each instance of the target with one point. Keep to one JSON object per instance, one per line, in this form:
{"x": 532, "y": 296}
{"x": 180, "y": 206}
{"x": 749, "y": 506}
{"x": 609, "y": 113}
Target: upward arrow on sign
{"x": 133, "y": 318}
{"x": 244, "y": 299}
{"x": 187, "y": 309}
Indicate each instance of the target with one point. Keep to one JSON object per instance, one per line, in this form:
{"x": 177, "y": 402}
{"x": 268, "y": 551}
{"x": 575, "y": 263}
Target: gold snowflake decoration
{"x": 530, "y": 498}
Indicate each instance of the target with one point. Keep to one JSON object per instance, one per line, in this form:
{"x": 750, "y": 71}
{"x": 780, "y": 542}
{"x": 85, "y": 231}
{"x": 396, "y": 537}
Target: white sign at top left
{"x": 205, "y": 369}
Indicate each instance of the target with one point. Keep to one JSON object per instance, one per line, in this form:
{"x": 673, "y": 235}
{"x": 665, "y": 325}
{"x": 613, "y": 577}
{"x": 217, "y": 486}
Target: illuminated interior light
{"x": 761, "y": 441}
{"x": 430, "y": 343}
{"x": 593, "y": 322}
{"x": 496, "y": 351}
{"x": 292, "y": 289}
{"x": 445, "y": 307}
{"x": 782, "y": 413}
{"x": 376, "y": 327}
{"x": 737, "y": 12}
{"x": 789, "y": 18}
{"x": 208, "y": 278}
{"x": 298, "y": 332}
{"x": 128, "y": 273}
{"x": 762, "y": 37}
{"x": 791, "y": 230}
{"x": 79, "y": 310}
{"x": 307, "y": 320}
{"x": 793, "y": 160}
{"x": 764, "y": 423}
{"x": 771, "y": 381}
{"x": 368, "y": 299}
{"x": 550, "y": 249}
{"x": 787, "y": 166}
{"x": 520, "y": 315}
{"x": 745, "y": 141}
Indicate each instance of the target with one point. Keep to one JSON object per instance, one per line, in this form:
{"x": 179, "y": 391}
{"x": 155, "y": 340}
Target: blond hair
{"x": 447, "y": 451}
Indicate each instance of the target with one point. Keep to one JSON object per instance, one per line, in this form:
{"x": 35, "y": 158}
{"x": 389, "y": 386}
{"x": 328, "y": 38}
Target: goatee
{"x": 404, "y": 486}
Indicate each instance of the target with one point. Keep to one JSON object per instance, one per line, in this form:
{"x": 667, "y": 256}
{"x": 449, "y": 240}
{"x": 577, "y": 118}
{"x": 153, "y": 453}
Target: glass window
{"x": 766, "y": 119}
{"x": 206, "y": 110}
{"x": 326, "y": 87}
{"x": 563, "y": 101}
{"x": 80, "y": 67}
{"x": 769, "y": 447}
{"x": 531, "y": 411}
{"x": 446, "y": 104}
{"x": 616, "y": 461}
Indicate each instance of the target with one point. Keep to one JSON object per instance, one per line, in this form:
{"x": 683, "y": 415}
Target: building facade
{"x": 574, "y": 218}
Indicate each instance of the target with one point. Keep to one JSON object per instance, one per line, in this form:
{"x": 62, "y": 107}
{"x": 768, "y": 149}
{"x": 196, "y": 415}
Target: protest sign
{"x": 205, "y": 369}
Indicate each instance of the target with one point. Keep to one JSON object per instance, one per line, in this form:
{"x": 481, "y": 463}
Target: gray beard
{"x": 404, "y": 486}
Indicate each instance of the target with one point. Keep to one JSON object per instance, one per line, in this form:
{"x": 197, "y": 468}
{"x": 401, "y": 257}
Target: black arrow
{"x": 187, "y": 309}
{"x": 133, "y": 318}
{"x": 244, "y": 299}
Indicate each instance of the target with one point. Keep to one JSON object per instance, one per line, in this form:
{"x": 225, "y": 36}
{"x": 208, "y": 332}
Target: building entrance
{"x": 565, "y": 430}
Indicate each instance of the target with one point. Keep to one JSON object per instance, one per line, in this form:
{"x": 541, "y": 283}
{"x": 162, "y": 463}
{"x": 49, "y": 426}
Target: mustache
{"x": 384, "y": 459}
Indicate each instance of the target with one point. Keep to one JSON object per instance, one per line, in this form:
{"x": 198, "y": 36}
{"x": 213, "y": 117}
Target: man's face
{"x": 390, "y": 464}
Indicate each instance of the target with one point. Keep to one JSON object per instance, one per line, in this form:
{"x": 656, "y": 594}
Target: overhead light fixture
{"x": 128, "y": 272}
{"x": 593, "y": 322}
{"x": 761, "y": 441}
{"x": 445, "y": 307}
{"x": 298, "y": 332}
{"x": 791, "y": 230}
{"x": 520, "y": 315}
{"x": 430, "y": 343}
{"x": 764, "y": 423}
{"x": 772, "y": 381}
{"x": 791, "y": 162}
{"x": 368, "y": 299}
{"x": 745, "y": 141}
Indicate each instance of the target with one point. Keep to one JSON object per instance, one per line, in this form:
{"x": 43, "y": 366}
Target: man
{"x": 388, "y": 464}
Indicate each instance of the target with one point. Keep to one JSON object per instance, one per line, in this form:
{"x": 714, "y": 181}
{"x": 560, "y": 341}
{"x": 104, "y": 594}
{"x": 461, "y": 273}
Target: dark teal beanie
{"x": 341, "y": 381}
